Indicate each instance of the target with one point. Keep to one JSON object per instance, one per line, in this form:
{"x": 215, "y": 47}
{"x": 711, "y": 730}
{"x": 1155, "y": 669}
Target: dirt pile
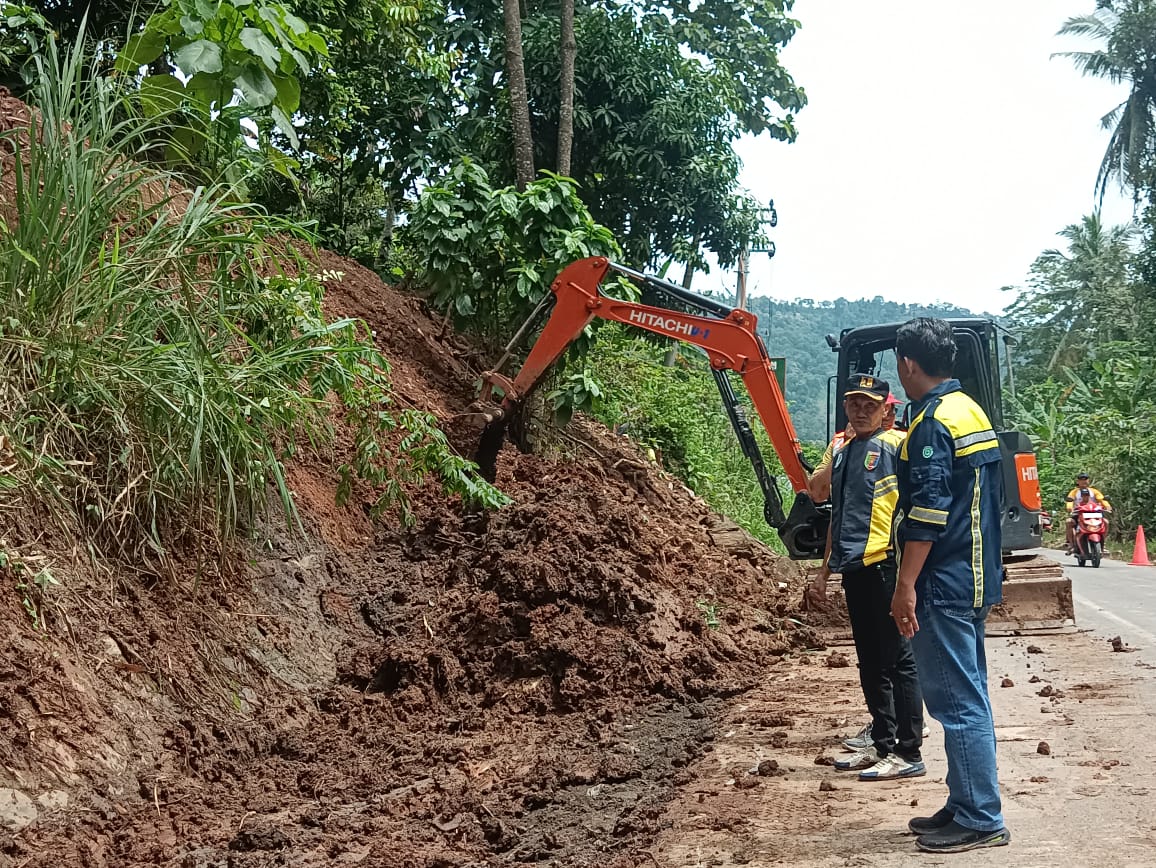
{"x": 525, "y": 686}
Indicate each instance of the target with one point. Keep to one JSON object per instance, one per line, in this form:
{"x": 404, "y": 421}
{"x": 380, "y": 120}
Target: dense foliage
{"x": 163, "y": 349}
{"x": 1087, "y": 352}
{"x": 488, "y": 255}
{"x": 212, "y": 68}
{"x": 1077, "y": 299}
{"x": 1085, "y": 368}
{"x": 653, "y": 134}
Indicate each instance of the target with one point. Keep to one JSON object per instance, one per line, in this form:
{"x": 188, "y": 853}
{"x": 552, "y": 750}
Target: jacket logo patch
{"x": 870, "y": 460}
{"x": 928, "y": 451}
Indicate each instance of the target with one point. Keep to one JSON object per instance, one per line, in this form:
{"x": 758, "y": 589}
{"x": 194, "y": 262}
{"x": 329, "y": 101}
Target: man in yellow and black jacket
{"x": 864, "y": 490}
{"x": 950, "y": 570}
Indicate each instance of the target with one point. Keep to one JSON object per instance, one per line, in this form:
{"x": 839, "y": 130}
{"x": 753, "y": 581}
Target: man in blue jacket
{"x": 950, "y": 570}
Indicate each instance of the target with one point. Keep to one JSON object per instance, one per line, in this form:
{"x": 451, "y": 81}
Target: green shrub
{"x": 678, "y": 411}
{"x": 156, "y": 363}
{"x": 489, "y": 256}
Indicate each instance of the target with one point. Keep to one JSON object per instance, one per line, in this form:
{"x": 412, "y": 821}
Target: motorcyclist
{"x": 1083, "y": 484}
{"x": 1086, "y": 502}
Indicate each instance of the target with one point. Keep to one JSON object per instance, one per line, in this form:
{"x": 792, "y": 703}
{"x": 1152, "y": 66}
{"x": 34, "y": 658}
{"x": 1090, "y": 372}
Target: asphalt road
{"x": 1116, "y": 600}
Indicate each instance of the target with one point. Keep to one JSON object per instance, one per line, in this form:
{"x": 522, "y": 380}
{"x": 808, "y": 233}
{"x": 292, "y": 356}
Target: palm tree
{"x": 1081, "y": 297}
{"x": 1126, "y": 31}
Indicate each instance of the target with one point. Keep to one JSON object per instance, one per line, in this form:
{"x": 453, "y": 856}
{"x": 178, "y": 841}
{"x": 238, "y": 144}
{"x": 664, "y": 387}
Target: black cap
{"x": 866, "y": 384}
{"x": 1082, "y": 475}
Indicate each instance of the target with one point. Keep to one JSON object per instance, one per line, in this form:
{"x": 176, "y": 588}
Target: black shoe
{"x": 954, "y": 838}
{"x": 923, "y": 825}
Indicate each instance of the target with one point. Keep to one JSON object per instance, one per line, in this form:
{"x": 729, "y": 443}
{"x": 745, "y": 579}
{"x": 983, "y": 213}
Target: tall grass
{"x": 152, "y": 374}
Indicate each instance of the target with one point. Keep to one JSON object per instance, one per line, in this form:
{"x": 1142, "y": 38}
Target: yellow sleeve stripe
{"x": 977, "y": 447}
{"x": 928, "y": 515}
{"x": 974, "y": 438}
{"x": 886, "y": 486}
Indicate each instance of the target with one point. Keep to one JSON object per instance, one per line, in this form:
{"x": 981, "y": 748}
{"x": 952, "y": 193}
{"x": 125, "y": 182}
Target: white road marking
{"x": 1112, "y": 616}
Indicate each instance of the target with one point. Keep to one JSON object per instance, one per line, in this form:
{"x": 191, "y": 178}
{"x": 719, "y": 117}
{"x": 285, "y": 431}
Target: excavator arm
{"x": 731, "y": 343}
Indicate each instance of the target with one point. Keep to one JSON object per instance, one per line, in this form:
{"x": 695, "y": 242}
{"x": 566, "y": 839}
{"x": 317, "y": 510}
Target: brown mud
{"x": 527, "y": 686}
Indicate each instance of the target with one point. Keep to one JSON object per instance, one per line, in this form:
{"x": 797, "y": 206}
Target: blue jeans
{"x": 952, "y": 665}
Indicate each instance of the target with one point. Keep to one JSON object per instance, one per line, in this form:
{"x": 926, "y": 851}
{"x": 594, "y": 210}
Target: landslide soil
{"x": 525, "y": 686}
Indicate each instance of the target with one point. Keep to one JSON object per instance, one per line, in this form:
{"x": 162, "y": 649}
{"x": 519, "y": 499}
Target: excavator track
{"x": 1037, "y": 598}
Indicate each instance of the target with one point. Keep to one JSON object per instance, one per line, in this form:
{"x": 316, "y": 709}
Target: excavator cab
{"x": 871, "y": 349}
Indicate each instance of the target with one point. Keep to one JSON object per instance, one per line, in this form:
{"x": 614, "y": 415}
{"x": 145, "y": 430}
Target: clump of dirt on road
{"x": 527, "y": 685}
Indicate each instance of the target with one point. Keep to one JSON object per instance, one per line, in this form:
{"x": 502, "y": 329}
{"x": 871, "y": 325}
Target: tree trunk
{"x": 688, "y": 272}
{"x": 519, "y": 98}
{"x": 340, "y": 195}
{"x": 568, "y": 50}
{"x": 385, "y": 244}
{"x": 671, "y": 356}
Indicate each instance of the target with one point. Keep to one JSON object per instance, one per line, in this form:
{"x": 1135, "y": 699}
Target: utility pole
{"x": 742, "y": 302}
{"x": 768, "y": 217}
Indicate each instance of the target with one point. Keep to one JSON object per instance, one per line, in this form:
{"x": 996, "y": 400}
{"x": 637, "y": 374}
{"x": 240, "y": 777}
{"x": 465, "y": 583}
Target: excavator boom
{"x": 731, "y": 343}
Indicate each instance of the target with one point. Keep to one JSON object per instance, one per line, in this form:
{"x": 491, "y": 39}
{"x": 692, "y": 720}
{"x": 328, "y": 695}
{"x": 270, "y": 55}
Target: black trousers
{"x": 886, "y": 665}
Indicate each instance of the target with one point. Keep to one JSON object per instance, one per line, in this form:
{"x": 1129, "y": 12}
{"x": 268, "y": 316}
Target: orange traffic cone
{"x": 1140, "y": 552}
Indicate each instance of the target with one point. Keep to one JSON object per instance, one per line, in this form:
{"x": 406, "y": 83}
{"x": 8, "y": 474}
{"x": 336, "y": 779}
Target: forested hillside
{"x": 795, "y": 329}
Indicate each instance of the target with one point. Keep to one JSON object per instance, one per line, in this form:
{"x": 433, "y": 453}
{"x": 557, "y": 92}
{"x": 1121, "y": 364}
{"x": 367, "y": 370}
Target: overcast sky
{"x": 941, "y": 150}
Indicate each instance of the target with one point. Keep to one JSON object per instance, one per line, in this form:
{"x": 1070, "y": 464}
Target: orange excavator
{"x": 730, "y": 340}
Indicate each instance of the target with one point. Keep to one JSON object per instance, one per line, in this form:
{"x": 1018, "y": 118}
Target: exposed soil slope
{"x": 526, "y": 686}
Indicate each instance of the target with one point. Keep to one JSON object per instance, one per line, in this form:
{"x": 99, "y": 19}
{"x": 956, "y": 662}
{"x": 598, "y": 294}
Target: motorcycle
{"x": 1091, "y": 529}
{"x": 1045, "y": 520}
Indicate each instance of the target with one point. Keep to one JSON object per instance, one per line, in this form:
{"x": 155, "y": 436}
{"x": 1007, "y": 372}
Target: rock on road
{"x": 1114, "y": 599}
{"x": 1084, "y": 800}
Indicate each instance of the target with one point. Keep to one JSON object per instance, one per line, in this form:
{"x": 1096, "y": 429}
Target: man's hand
{"x": 915, "y": 554}
{"x": 815, "y": 594}
{"x": 903, "y": 610}
{"x": 820, "y": 583}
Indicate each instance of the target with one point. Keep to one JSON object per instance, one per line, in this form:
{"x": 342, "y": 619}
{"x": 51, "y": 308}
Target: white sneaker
{"x": 862, "y": 759}
{"x": 860, "y": 740}
{"x": 891, "y": 767}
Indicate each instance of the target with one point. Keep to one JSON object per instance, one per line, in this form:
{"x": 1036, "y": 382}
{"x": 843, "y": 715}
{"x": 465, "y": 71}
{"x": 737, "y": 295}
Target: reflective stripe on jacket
{"x": 864, "y": 491}
{"x": 951, "y": 494}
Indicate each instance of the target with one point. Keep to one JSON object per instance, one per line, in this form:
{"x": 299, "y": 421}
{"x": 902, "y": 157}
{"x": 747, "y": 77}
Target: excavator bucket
{"x": 489, "y": 445}
{"x": 804, "y": 532}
